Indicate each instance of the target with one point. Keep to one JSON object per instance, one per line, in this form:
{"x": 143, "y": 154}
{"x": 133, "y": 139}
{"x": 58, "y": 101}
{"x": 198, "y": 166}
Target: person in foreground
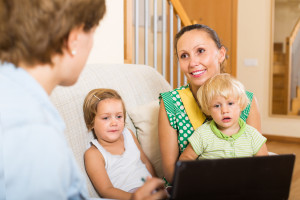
{"x": 222, "y": 98}
{"x": 43, "y": 43}
{"x": 115, "y": 161}
{"x": 201, "y": 56}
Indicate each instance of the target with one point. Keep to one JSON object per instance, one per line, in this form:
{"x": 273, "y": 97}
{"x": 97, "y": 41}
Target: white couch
{"x": 139, "y": 86}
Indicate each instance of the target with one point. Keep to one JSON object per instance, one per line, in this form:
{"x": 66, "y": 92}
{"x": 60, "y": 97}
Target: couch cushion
{"x": 137, "y": 84}
{"x": 145, "y": 120}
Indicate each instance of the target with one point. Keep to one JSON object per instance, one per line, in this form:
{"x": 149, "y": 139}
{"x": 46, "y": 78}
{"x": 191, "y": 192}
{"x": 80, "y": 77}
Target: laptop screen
{"x": 260, "y": 177}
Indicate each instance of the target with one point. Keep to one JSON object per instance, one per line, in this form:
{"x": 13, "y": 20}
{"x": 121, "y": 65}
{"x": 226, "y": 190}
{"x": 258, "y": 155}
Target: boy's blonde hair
{"x": 221, "y": 85}
{"x": 91, "y": 102}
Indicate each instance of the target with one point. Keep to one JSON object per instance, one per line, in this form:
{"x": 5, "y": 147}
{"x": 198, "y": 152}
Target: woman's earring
{"x": 73, "y": 52}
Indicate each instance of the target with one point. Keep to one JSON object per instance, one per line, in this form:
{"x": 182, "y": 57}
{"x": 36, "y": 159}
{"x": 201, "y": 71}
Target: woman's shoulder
{"x": 246, "y": 111}
{"x": 173, "y": 92}
{"x": 249, "y": 95}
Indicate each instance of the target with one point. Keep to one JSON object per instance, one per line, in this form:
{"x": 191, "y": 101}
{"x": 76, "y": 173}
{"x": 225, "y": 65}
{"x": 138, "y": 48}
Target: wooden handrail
{"x": 289, "y": 44}
{"x": 179, "y": 10}
{"x": 294, "y": 32}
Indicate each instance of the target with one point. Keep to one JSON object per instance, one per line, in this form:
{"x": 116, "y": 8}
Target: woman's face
{"x": 199, "y": 57}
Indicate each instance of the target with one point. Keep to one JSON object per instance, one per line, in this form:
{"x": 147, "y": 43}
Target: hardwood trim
{"x": 181, "y": 12}
{"x": 234, "y": 38}
{"x": 167, "y": 42}
{"x": 282, "y": 138}
{"x": 287, "y": 75}
{"x": 295, "y": 31}
{"x": 127, "y": 61}
{"x": 128, "y": 32}
{"x": 270, "y": 111}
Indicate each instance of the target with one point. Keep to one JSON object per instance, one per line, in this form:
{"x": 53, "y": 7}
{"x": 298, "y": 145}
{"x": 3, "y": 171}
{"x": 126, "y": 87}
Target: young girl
{"x": 223, "y": 98}
{"x": 114, "y": 162}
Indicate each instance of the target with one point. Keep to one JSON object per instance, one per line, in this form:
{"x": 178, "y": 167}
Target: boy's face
{"x": 225, "y": 112}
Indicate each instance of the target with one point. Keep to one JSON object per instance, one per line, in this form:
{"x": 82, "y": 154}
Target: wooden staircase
{"x": 281, "y": 85}
{"x": 296, "y": 103}
{"x": 279, "y": 98}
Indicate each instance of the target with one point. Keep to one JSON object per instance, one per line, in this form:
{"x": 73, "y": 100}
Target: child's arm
{"x": 188, "y": 154}
{"x": 263, "y": 151}
{"x": 144, "y": 158}
{"x": 95, "y": 168}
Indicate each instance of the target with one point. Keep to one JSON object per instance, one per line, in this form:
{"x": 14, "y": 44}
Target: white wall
{"x": 254, "y": 42}
{"x": 109, "y": 36}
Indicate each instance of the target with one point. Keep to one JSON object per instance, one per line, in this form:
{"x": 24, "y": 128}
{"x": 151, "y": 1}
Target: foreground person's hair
{"x": 32, "y": 31}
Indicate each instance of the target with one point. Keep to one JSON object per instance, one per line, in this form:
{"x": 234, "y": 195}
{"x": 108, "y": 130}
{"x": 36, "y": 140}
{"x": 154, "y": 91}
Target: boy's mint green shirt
{"x": 209, "y": 142}
{"x": 179, "y": 118}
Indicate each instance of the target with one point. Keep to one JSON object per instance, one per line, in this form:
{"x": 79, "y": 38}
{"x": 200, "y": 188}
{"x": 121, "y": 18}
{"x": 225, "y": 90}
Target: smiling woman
{"x": 201, "y": 56}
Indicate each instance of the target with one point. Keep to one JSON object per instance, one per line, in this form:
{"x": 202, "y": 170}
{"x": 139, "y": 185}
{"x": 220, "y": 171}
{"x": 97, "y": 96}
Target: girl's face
{"x": 199, "y": 57}
{"x": 109, "y": 120}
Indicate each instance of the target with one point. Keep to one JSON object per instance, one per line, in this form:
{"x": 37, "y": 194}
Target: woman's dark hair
{"x": 201, "y": 27}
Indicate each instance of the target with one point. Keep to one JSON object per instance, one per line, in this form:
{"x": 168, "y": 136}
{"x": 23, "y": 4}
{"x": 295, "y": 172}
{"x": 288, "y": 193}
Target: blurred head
{"x": 200, "y": 53}
{"x": 33, "y": 31}
{"x": 221, "y": 85}
{"x": 92, "y": 101}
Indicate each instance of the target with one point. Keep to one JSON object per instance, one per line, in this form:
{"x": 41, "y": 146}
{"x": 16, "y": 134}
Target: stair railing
{"x": 293, "y": 63}
{"x": 159, "y": 27}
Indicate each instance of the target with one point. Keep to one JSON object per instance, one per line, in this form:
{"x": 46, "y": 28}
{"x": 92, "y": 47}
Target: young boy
{"x": 222, "y": 98}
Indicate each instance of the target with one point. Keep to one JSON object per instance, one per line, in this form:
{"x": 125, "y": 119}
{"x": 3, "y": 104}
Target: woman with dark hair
{"x": 201, "y": 56}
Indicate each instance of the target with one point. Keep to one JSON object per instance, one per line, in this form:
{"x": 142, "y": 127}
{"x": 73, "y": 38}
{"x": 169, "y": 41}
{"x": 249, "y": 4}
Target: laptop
{"x": 260, "y": 177}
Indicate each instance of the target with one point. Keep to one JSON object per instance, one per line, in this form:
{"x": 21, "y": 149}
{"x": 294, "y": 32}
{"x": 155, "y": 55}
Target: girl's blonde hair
{"x": 221, "y": 85}
{"x": 91, "y": 101}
